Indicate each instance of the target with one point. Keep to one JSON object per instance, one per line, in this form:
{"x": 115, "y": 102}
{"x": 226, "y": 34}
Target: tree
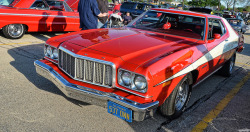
{"x": 248, "y": 8}
{"x": 228, "y": 3}
{"x": 222, "y": 7}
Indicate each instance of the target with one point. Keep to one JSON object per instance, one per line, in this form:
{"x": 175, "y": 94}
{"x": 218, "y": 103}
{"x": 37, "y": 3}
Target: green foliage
{"x": 222, "y": 7}
{"x": 240, "y": 9}
{"x": 169, "y": 0}
{"x": 248, "y": 8}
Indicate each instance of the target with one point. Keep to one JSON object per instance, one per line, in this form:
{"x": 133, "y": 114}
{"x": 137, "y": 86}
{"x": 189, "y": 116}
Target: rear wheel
{"x": 228, "y": 67}
{"x": 13, "y": 31}
{"x": 176, "y": 103}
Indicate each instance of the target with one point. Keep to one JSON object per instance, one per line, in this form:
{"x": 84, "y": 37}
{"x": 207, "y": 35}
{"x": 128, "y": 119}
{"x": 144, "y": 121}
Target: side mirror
{"x": 216, "y": 36}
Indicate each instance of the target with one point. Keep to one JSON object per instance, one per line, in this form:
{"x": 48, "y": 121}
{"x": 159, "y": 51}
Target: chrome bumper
{"x": 140, "y": 111}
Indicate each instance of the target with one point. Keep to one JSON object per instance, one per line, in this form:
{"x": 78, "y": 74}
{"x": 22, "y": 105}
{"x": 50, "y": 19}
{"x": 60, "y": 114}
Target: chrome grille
{"x": 86, "y": 70}
{"x": 67, "y": 63}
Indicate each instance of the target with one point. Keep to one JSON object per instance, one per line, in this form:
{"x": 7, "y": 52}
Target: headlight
{"x": 132, "y": 80}
{"x": 126, "y": 78}
{"x": 54, "y": 54}
{"x": 50, "y": 52}
{"x": 140, "y": 82}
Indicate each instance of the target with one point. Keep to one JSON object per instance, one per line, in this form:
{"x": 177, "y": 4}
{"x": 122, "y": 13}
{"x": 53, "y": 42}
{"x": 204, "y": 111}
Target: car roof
{"x": 138, "y": 3}
{"x": 186, "y": 12}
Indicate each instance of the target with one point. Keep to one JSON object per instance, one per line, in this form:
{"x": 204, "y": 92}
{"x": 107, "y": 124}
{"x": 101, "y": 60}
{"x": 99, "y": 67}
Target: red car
{"x": 152, "y": 63}
{"x": 37, "y": 16}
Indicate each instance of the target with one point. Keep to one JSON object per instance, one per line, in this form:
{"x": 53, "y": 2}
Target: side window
{"x": 39, "y": 5}
{"x": 215, "y": 26}
{"x": 56, "y": 5}
{"x": 223, "y": 29}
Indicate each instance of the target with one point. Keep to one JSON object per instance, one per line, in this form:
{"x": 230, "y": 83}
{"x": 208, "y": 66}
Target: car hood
{"x": 131, "y": 45}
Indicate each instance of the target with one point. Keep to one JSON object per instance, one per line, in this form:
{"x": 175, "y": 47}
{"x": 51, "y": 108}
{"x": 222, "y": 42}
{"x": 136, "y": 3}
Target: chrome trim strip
{"x": 38, "y": 15}
{"x": 134, "y": 93}
{"x": 93, "y": 96}
{"x": 94, "y": 60}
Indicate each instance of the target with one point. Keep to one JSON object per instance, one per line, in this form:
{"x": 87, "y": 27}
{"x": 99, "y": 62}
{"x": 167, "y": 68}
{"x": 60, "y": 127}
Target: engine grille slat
{"x": 86, "y": 70}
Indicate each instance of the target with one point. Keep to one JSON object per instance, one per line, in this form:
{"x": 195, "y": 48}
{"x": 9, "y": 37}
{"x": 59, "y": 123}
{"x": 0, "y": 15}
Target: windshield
{"x": 6, "y": 2}
{"x": 175, "y": 24}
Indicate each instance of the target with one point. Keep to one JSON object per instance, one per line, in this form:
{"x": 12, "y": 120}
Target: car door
{"x": 61, "y": 17}
{"x": 217, "y": 54}
{"x": 37, "y": 18}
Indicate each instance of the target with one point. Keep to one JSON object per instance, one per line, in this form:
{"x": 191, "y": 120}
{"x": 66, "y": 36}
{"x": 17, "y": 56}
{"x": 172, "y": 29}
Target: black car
{"x": 135, "y": 9}
{"x": 202, "y": 10}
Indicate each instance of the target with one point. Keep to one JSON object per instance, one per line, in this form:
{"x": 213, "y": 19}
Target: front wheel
{"x": 13, "y": 31}
{"x": 176, "y": 103}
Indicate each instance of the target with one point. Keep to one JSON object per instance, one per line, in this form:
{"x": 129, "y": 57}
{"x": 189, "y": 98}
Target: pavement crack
{"x": 163, "y": 124}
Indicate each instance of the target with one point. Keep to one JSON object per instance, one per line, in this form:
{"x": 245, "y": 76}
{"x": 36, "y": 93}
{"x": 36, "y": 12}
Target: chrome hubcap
{"x": 15, "y": 29}
{"x": 182, "y": 95}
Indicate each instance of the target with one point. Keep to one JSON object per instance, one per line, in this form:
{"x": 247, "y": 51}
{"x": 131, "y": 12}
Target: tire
{"x": 13, "y": 31}
{"x": 177, "y": 101}
{"x": 227, "y": 69}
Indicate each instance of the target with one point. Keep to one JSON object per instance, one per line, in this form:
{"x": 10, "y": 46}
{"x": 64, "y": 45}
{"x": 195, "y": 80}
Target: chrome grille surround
{"x": 93, "y": 71}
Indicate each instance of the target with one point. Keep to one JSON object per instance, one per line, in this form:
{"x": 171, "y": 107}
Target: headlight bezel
{"x": 49, "y": 52}
{"x": 132, "y": 86}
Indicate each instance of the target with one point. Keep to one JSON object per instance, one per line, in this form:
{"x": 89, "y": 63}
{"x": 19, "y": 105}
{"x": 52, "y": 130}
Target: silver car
{"x": 238, "y": 25}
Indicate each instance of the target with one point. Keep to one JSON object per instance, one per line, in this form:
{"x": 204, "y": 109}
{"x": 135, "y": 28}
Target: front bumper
{"x": 92, "y": 96}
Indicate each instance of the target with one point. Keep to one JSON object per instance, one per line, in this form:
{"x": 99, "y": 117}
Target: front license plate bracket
{"x": 120, "y": 111}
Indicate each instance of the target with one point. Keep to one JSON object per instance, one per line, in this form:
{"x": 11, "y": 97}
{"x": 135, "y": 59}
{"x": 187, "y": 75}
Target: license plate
{"x": 120, "y": 111}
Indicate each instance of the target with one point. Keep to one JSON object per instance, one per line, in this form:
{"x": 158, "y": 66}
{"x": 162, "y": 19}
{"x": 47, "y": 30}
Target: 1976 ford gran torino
{"x": 152, "y": 63}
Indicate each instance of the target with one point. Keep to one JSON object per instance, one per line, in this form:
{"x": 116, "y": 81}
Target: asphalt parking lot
{"x": 29, "y": 102}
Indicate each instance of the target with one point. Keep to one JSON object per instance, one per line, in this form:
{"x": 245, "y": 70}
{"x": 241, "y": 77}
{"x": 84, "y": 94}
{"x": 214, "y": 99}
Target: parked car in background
{"x": 202, "y": 10}
{"x": 135, "y": 9}
{"x": 238, "y": 25}
{"x": 229, "y": 16}
{"x": 37, "y": 16}
{"x": 218, "y": 14}
{"x": 247, "y": 21}
{"x": 167, "y": 6}
{"x": 152, "y": 63}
